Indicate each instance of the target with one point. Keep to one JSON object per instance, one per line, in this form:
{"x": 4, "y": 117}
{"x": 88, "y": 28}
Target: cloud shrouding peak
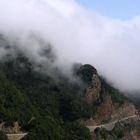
{"x": 78, "y": 35}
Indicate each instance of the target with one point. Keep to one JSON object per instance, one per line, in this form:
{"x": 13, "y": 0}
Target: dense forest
{"x": 55, "y": 102}
{"x": 47, "y": 106}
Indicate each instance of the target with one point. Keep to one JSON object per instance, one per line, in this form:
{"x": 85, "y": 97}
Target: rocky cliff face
{"x": 10, "y": 129}
{"x": 110, "y": 112}
{"x": 127, "y": 109}
{"x": 111, "y": 103}
{"x": 93, "y": 91}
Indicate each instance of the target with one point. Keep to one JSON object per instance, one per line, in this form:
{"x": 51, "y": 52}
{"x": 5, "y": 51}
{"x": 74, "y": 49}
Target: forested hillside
{"x": 49, "y": 106}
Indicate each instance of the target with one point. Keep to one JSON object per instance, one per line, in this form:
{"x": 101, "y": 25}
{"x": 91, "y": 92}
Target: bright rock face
{"x": 111, "y": 105}
{"x": 93, "y": 91}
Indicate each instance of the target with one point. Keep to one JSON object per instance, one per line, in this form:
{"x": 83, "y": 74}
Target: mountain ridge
{"x": 58, "y": 104}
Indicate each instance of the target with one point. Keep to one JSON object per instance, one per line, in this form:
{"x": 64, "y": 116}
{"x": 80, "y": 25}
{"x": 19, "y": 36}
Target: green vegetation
{"x": 45, "y": 129}
{"x": 76, "y": 131}
{"x": 86, "y": 72}
{"x": 54, "y": 101}
{"x": 116, "y": 95}
{"x": 135, "y": 98}
{"x": 3, "y": 136}
{"x": 73, "y": 108}
{"x": 13, "y": 104}
{"x": 120, "y": 131}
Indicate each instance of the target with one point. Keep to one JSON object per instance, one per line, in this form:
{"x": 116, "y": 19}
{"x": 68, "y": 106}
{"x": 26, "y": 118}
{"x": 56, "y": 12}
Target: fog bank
{"x": 77, "y": 35}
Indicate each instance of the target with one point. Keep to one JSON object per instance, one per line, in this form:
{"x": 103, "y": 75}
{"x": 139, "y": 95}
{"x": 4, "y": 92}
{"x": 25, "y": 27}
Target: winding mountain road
{"x": 111, "y": 125}
{"x": 16, "y": 136}
{"x": 107, "y": 126}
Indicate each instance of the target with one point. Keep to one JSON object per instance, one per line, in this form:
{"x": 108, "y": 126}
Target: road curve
{"x": 110, "y": 126}
{"x": 16, "y": 136}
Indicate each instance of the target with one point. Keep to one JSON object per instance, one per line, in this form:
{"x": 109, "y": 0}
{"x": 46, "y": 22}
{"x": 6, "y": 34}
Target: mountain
{"x": 52, "y": 106}
{"x": 110, "y": 103}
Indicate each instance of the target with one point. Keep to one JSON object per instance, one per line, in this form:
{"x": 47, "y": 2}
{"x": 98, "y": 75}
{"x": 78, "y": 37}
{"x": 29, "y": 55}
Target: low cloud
{"x": 77, "y": 35}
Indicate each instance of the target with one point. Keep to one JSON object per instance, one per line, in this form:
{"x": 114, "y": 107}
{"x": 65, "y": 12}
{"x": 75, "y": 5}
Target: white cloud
{"x": 78, "y": 35}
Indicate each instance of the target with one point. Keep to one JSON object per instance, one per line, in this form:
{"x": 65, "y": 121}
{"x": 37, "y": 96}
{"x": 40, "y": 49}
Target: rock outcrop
{"x": 107, "y": 109}
{"x": 93, "y": 91}
{"x": 127, "y": 109}
{"x": 10, "y": 129}
{"x": 109, "y": 112}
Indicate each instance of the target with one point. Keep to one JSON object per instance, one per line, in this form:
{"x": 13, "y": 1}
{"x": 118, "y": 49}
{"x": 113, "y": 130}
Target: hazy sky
{"x": 120, "y": 9}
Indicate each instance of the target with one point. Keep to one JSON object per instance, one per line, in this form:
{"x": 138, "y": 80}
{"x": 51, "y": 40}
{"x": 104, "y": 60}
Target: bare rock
{"x": 105, "y": 110}
{"x": 93, "y": 91}
{"x": 127, "y": 109}
{"x": 11, "y": 129}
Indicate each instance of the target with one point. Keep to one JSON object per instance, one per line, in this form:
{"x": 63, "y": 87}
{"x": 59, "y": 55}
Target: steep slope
{"x": 45, "y": 106}
{"x": 49, "y": 105}
{"x": 110, "y": 104}
{"x": 115, "y": 116}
